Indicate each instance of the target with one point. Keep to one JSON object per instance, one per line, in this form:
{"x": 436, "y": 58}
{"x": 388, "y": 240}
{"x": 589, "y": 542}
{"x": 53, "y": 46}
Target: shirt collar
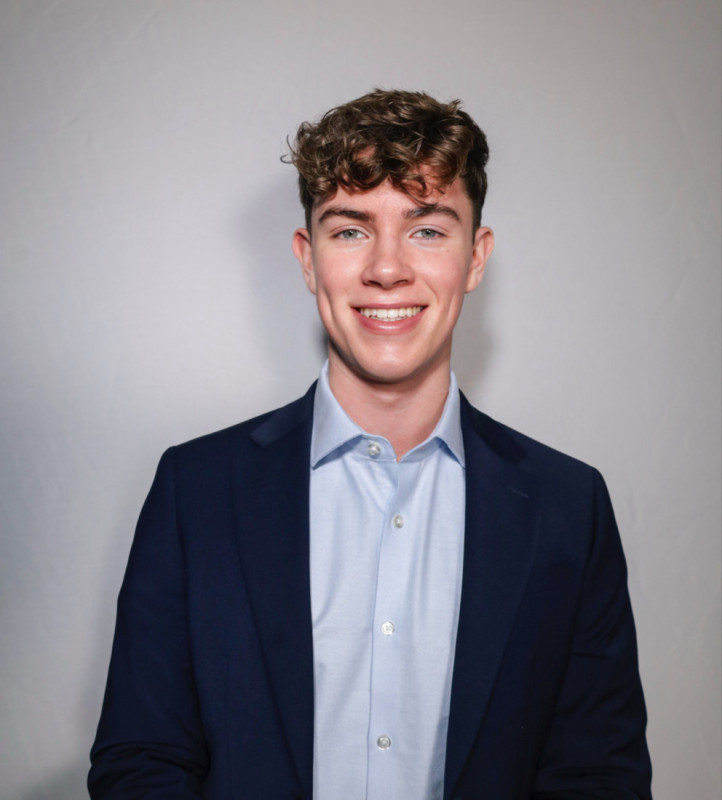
{"x": 334, "y": 431}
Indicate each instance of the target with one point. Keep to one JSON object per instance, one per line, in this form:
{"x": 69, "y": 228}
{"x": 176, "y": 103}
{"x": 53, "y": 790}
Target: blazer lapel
{"x": 271, "y": 505}
{"x": 499, "y": 549}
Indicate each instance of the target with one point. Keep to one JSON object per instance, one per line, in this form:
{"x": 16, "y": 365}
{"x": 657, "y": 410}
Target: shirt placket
{"x": 386, "y": 739}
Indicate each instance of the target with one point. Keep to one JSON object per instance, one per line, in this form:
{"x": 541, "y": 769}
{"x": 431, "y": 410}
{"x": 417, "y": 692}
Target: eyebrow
{"x": 350, "y": 213}
{"x": 425, "y": 210}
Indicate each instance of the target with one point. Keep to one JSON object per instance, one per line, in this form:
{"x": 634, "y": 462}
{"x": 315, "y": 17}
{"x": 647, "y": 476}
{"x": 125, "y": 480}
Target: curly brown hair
{"x": 390, "y": 135}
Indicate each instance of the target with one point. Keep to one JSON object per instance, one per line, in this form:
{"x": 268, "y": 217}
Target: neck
{"x": 405, "y": 413}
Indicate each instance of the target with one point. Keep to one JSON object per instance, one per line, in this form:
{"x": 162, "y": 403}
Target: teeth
{"x": 391, "y": 313}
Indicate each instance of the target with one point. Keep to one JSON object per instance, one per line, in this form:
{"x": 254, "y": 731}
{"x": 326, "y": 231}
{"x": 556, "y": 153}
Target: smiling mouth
{"x": 390, "y": 314}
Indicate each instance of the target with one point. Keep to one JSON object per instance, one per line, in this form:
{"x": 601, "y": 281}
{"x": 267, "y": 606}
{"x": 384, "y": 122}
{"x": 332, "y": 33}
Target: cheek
{"x": 329, "y": 301}
{"x": 327, "y": 291}
{"x": 333, "y": 281}
{"x": 453, "y": 286}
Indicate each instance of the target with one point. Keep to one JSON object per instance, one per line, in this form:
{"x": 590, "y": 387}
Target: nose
{"x": 387, "y": 264}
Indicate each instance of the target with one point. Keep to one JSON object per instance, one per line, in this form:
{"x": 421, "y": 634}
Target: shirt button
{"x": 383, "y": 742}
{"x": 398, "y": 521}
{"x": 388, "y": 628}
{"x": 374, "y": 449}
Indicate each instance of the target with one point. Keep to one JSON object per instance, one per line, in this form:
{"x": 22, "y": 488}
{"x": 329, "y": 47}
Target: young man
{"x": 377, "y": 591}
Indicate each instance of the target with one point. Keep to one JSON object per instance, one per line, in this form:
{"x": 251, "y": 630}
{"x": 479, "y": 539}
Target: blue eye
{"x": 427, "y": 233}
{"x": 349, "y": 233}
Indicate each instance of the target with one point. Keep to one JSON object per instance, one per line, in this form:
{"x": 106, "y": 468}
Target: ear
{"x": 483, "y": 248}
{"x": 301, "y": 245}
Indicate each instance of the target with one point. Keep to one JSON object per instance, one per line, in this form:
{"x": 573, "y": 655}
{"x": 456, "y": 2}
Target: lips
{"x": 390, "y": 314}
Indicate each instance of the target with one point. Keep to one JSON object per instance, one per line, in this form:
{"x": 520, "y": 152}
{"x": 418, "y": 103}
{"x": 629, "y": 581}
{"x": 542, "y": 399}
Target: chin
{"x": 392, "y": 373}
{"x": 388, "y": 365}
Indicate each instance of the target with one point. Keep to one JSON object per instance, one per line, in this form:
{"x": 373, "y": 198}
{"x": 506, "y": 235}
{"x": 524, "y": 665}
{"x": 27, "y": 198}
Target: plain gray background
{"x": 149, "y": 295}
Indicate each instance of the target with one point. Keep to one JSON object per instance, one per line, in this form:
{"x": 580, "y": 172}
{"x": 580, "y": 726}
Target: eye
{"x": 428, "y": 234}
{"x": 349, "y": 234}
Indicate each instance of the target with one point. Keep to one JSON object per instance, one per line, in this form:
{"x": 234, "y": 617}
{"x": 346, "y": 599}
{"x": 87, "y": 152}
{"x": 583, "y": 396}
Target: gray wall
{"x": 149, "y": 295}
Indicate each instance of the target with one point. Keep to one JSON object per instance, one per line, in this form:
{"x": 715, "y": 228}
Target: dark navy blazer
{"x": 210, "y": 689}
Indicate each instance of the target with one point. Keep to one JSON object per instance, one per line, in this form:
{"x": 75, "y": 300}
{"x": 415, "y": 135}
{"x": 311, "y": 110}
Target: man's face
{"x": 389, "y": 273}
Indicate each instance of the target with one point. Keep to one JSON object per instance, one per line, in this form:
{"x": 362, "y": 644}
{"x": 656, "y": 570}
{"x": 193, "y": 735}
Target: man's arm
{"x": 596, "y": 745}
{"x": 149, "y": 741}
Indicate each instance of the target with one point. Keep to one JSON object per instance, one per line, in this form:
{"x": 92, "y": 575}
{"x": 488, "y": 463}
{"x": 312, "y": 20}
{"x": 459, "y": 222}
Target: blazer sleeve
{"x": 149, "y": 742}
{"x": 596, "y": 745}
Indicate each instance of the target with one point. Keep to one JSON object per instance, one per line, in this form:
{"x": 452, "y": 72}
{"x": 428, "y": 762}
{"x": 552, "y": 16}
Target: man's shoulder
{"x": 510, "y": 446}
{"x": 522, "y": 451}
{"x": 255, "y": 432}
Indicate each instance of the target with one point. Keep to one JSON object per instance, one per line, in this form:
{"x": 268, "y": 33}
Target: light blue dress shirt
{"x": 387, "y": 541}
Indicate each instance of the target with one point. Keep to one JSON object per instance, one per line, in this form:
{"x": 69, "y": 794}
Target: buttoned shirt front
{"x": 387, "y": 542}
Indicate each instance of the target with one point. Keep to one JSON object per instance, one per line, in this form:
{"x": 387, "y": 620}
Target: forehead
{"x": 387, "y": 200}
